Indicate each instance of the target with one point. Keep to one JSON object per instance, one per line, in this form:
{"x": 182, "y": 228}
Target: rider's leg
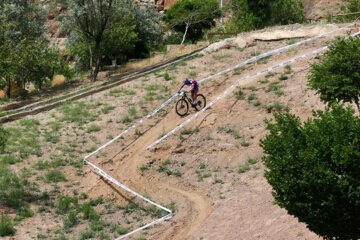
{"x": 195, "y": 97}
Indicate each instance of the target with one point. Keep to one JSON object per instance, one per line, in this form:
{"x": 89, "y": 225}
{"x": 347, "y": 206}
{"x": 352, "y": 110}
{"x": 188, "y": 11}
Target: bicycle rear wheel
{"x": 182, "y": 107}
{"x": 201, "y": 102}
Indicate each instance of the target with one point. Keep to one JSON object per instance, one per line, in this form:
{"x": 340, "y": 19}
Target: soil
{"x": 212, "y": 200}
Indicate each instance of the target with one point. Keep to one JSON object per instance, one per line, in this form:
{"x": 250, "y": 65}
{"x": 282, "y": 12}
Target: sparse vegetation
{"x": 239, "y": 94}
{"x": 6, "y": 227}
{"x": 275, "y": 106}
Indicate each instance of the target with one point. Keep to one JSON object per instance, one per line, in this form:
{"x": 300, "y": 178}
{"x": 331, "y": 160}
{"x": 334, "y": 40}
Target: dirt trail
{"x": 195, "y": 202}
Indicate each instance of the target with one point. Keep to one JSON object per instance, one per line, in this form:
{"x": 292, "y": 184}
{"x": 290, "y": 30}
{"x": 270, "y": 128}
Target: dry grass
{"x": 58, "y": 80}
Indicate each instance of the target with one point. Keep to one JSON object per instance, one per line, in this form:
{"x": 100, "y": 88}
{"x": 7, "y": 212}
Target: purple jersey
{"x": 195, "y": 83}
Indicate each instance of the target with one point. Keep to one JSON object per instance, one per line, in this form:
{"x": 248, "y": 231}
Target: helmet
{"x": 186, "y": 81}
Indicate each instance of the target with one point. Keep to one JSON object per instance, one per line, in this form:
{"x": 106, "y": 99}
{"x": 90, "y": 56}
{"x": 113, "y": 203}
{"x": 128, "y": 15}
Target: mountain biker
{"x": 194, "y": 88}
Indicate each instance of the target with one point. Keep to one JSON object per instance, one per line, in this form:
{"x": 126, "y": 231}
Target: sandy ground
{"x": 212, "y": 200}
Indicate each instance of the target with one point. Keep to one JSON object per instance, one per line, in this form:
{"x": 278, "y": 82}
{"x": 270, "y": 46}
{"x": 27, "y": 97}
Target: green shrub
{"x": 63, "y": 204}
{"x": 126, "y": 119}
{"x": 166, "y": 76}
{"x": 54, "y": 176}
{"x": 71, "y": 219}
{"x": 186, "y": 132}
{"x": 277, "y": 106}
{"x": 77, "y": 112}
{"x": 132, "y": 111}
{"x": 243, "y": 168}
{"x": 336, "y": 76}
{"x": 122, "y": 230}
{"x": 279, "y": 93}
{"x": 107, "y": 108}
{"x": 251, "y": 97}
{"x": 93, "y": 128}
{"x": 283, "y": 77}
{"x": 6, "y": 227}
{"x": 8, "y": 159}
{"x": 239, "y": 94}
{"x": 51, "y": 137}
{"x": 313, "y": 169}
{"x": 86, "y": 235}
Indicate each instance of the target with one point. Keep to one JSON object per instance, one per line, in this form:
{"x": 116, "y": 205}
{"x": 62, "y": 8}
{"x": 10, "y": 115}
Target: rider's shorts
{"x": 196, "y": 88}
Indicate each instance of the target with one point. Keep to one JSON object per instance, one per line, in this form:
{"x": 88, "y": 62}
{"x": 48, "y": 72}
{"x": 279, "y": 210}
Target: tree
{"x": 336, "y": 76}
{"x": 255, "y": 14}
{"x": 120, "y": 41}
{"x": 192, "y": 17}
{"x": 149, "y": 29}
{"x": 130, "y": 32}
{"x": 314, "y": 169}
{"x": 24, "y": 20}
{"x": 91, "y": 19}
{"x": 352, "y": 6}
{"x": 19, "y": 20}
{"x": 24, "y": 53}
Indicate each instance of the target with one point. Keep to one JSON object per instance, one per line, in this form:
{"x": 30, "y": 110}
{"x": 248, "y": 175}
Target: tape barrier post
{"x": 233, "y": 85}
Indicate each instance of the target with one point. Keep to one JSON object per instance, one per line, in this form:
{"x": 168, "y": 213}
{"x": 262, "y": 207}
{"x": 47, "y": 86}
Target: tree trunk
{"x": 91, "y": 56}
{"x": 357, "y": 104}
{"x": 98, "y": 61}
{"x": 8, "y": 91}
{"x": 186, "y": 29}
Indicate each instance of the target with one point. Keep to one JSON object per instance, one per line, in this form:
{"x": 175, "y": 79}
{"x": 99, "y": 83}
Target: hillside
{"x": 64, "y": 163}
{"x": 209, "y": 173}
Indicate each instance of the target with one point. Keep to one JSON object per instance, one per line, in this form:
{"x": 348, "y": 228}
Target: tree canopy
{"x": 254, "y": 14}
{"x": 192, "y": 17}
{"x": 120, "y": 30}
{"x": 314, "y": 169}
{"x": 25, "y": 55}
{"x": 336, "y": 76}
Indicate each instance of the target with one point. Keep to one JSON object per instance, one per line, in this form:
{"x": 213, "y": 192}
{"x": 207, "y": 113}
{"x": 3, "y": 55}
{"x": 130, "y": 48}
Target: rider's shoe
{"x": 194, "y": 102}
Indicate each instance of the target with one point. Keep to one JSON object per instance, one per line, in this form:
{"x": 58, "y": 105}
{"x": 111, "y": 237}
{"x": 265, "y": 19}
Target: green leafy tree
{"x": 24, "y": 20}
{"x": 352, "y": 6}
{"x": 336, "y": 76}
{"x": 192, "y": 17}
{"x": 91, "y": 20}
{"x": 121, "y": 40}
{"x": 130, "y": 32}
{"x": 149, "y": 30}
{"x": 24, "y": 53}
{"x": 254, "y": 14}
{"x": 314, "y": 169}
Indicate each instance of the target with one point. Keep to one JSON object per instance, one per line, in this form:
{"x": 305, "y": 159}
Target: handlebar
{"x": 184, "y": 91}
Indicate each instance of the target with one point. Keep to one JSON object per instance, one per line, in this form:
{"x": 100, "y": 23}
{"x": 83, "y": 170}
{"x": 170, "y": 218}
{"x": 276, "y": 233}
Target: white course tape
{"x": 146, "y": 226}
{"x": 217, "y": 74}
{"x": 105, "y": 175}
{"x": 233, "y": 85}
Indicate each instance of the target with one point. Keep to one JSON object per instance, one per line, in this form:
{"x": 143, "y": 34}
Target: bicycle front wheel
{"x": 182, "y": 107}
{"x": 201, "y": 102}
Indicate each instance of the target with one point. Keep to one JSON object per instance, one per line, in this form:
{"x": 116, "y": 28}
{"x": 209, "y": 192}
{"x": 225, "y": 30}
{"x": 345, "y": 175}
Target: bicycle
{"x": 182, "y": 105}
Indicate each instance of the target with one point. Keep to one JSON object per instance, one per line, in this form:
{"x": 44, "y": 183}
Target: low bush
{"x": 6, "y": 227}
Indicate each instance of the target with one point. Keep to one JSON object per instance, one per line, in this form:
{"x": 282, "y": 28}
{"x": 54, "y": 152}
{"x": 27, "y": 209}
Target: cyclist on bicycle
{"x": 194, "y": 88}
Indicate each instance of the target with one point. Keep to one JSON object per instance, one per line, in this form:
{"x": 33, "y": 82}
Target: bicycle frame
{"x": 185, "y": 96}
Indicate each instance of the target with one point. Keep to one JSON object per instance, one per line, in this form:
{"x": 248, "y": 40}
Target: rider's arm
{"x": 182, "y": 86}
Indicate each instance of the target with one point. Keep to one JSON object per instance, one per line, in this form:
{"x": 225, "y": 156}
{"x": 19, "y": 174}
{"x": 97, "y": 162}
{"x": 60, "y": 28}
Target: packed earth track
{"x": 219, "y": 191}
